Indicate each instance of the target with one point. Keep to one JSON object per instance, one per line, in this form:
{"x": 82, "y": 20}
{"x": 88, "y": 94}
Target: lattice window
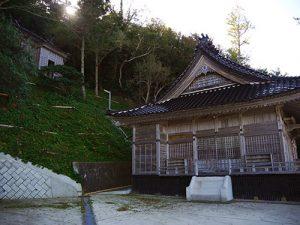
{"x": 207, "y": 81}
{"x": 181, "y": 150}
{"x": 207, "y": 148}
{"x": 145, "y": 158}
{"x": 261, "y": 144}
{"x": 225, "y": 147}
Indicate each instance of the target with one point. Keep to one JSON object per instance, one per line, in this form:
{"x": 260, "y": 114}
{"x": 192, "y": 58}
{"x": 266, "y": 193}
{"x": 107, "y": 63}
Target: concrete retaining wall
{"x": 19, "y": 180}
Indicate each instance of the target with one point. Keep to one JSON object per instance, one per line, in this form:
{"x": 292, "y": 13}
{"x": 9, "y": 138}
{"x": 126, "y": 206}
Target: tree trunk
{"x": 156, "y": 92}
{"x": 148, "y": 91}
{"x": 82, "y": 68}
{"x": 120, "y": 73}
{"x": 96, "y": 75}
{"x": 130, "y": 60}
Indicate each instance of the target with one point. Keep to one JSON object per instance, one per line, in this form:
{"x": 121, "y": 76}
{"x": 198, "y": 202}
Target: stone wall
{"x": 19, "y": 180}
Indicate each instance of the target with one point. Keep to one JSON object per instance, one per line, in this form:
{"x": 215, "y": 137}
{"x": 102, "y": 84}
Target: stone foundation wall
{"x": 19, "y": 180}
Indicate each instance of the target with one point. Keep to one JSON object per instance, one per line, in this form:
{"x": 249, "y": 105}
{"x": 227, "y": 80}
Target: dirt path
{"x": 148, "y": 210}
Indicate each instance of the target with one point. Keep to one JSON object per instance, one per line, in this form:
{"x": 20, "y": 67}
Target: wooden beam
{"x": 242, "y": 137}
{"x": 167, "y": 142}
{"x": 133, "y": 149}
{"x": 195, "y": 149}
{"x": 280, "y": 125}
{"x": 157, "y": 149}
{"x": 292, "y": 127}
{"x": 290, "y": 120}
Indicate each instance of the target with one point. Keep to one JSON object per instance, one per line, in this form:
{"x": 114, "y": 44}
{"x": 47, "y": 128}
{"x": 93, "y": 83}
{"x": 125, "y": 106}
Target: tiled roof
{"x": 206, "y": 47}
{"x": 218, "y": 96}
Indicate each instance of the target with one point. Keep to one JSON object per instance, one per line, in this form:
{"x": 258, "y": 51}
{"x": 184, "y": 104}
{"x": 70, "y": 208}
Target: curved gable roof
{"x": 206, "y": 48}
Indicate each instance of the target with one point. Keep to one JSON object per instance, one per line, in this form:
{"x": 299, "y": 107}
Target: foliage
{"x": 151, "y": 78}
{"x": 16, "y": 63}
{"x": 118, "y": 39}
{"x": 103, "y": 39}
{"x": 60, "y": 78}
{"x": 68, "y": 72}
{"x": 239, "y": 26}
{"x": 82, "y": 134}
{"x": 172, "y": 49}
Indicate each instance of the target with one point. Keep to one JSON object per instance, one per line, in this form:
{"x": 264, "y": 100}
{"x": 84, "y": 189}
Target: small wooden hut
{"x": 45, "y": 52}
{"x": 217, "y": 118}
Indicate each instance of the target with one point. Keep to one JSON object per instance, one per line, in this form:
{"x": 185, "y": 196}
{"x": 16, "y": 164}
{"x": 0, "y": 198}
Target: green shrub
{"x": 60, "y": 79}
{"x": 16, "y": 63}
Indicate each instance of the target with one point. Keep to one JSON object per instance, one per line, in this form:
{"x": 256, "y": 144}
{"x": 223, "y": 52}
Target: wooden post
{"x": 280, "y": 131}
{"x": 215, "y": 136}
{"x": 157, "y": 149}
{"x": 167, "y": 149}
{"x": 133, "y": 149}
{"x": 195, "y": 149}
{"x": 242, "y": 138}
{"x": 185, "y": 166}
{"x": 229, "y": 166}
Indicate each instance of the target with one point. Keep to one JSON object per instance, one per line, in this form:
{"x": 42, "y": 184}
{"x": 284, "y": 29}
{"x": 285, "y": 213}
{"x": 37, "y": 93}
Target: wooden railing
{"x": 229, "y": 166}
{"x": 178, "y": 167}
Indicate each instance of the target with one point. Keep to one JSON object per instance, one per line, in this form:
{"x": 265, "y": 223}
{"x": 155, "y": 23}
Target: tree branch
{"x": 139, "y": 56}
{"x": 3, "y": 2}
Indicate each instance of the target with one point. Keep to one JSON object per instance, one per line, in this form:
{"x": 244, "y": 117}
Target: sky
{"x": 274, "y": 42}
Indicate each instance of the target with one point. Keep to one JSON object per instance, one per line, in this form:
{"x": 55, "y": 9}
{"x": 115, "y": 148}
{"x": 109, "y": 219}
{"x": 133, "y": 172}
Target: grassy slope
{"x": 103, "y": 141}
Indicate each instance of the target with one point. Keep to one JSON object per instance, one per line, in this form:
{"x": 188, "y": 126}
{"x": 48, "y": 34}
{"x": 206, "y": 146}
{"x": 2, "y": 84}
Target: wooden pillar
{"x": 133, "y": 149}
{"x": 215, "y": 135}
{"x": 242, "y": 137}
{"x": 281, "y": 135}
{"x": 167, "y": 146}
{"x": 195, "y": 149}
{"x": 167, "y": 149}
{"x": 157, "y": 129}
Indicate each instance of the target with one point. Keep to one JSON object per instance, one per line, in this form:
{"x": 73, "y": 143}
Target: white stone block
{"x": 3, "y": 181}
{"x": 3, "y": 169}
{"x": 11, "y": 182}
{"x": 15, "y": 187}
{"x": 6, "y": 188}
{"x": 23, "y": 187}
{"x": 19, "y": 194}
{"x": 216, "y": 189}
{"x": 7, "y": 176}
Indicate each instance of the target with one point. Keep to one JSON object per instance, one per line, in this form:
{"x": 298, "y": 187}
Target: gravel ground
{"x": 145, "y": 209}
{"x": 41, "y": 212}
{"x": 133, "y": 209}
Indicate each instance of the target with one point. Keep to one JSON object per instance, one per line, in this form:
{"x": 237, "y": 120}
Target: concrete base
{"x": 216, "y": 189}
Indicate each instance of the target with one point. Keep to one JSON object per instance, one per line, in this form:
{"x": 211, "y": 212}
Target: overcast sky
{"x": 274, "y": 43}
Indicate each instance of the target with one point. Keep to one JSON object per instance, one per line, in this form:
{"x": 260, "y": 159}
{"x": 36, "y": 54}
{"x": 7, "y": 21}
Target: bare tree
{"x": 134, "y": 56}
{"x": 152, "y": 77}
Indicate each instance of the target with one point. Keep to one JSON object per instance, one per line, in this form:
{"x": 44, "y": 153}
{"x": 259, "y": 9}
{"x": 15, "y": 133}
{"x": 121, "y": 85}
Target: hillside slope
{"x": 55, "y": 137}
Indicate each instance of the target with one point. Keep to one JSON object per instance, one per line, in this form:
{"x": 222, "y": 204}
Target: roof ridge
{"x": 220, "y": 96}
{"x": 205, "y": 43}
{"x": 206, "y": 46}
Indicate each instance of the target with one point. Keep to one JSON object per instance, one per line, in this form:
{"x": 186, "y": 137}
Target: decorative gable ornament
{"x": 208, "y": 81}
